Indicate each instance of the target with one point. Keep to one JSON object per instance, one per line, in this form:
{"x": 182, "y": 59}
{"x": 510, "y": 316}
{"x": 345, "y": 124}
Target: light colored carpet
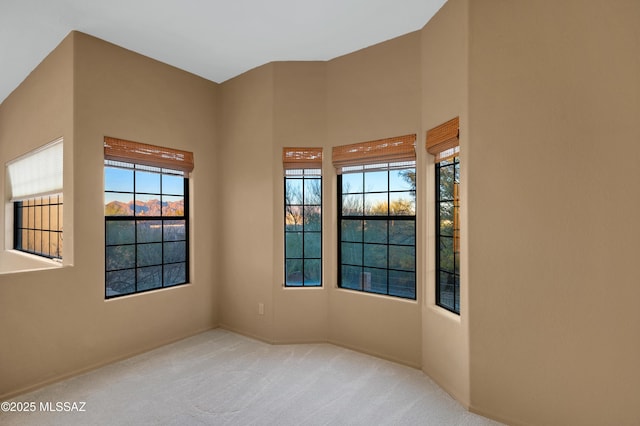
{"x": 222, "y": 378}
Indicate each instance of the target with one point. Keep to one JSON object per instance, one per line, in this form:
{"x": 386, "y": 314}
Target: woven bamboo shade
{"x": 148, "y": 155}
{"x": 302, "y": 158}
{"x": 443, "y": 141}
{"x": 396, "y": 149}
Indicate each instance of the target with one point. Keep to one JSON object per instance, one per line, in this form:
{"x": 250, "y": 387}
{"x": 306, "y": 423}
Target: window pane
{"x": 446, "y": 218}
{"x": 172, "y": 205}
{"x": 293, "y": 191}
{"x": 175, "y": 252}
{"x": 147, "y": 182}
{"x": 446, "y": 183}
{"x": 447, "y": 290}
{"x": 149, "y": 231}
{"x": 375, "y": 231}
{"x": 38, "y": 241}
{"x": 175, "y": 274}
{"x": 402, "y": 180}
{"x": 56, "y": 244}
{"x": 120, "y": 232}
{"x": 172, "y": 185}
{"x": 376, "y": 204}
{"x": 402, "y": 232}
{"x": 120, "y": 282}
{"x": 175, "y": 230}
{"x": 376, "y": 181}
{"x": 352, "y": 230}
{"x": 116, "y": 179}
{"x": 294, "y": 218}
{"x": 351, "y": 253}
{"x": 374, "y": 280}
{"x": 38, "y": 223}
{"x": 120, "y": 257}
{"x": 46, "y": 246}
{"x": 312, "y": 218}
{"x": 46, "y": 224}
{"x": 293, "y": 272}
{"x": 60, "y": 217}
{"x": 25, "y": 217}
{"x": 375, "y": 255}
{"x": 31, "y": 244}
{"x": 352, "y": 183}
{"x": 402, "y": 257}
{"x": 312, "y": 247}
{"x": 352, "y": 205}
{"x": 312, "y": 272}
{"x": 147, "y": 205}
{"x": 402, "y": 204}
{"x": 351, "y": 277}
{"x": 149, "y": 254}
{"x": 446, "y": 254}
{"x": 312, "y": 191}
{"x": 117, "y": 204}
{"x": 54, "y": 220}
{"x": 402, "y": 284}
{"x": 293, "y": 241}
{"x": 149, "y": 278}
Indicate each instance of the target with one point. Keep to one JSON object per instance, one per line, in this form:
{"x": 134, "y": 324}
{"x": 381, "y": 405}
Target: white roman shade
{"x": 37, "y": 173}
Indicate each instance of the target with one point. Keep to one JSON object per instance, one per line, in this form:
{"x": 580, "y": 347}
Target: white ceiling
{"x": 215, "y": 39}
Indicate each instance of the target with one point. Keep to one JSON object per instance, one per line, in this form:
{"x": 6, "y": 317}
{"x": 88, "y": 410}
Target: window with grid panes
{"x": 448, "y": 234}
{"x": 377, "y": 229}
{"x": 146, "y": 228}
{"x": 303, "y": 227}
{"x": 38, "y": 226}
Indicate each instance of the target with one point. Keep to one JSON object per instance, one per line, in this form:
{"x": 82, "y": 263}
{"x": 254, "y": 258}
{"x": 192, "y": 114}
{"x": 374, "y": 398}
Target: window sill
{"x": 14, "y": 261}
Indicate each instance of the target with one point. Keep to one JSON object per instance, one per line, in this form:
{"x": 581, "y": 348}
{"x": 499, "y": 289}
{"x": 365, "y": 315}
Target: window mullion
{"x": 161, "y": 234}
{"x": 303, "y": 229}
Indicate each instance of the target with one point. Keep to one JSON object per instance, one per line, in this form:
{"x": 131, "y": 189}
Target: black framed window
{"x": 146, "y": 228}
{"x": 38, "y": 226}
{"x": 377, "y": 229}
{"x": 303, "y": 227}
{"x": 448, "y": 234}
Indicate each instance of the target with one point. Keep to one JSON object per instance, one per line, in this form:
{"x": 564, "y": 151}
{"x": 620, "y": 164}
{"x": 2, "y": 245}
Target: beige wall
{"x": 372, "y": 94}
{"x": 35, "y": 321}
{"x": 57, "y": 322}
{"x": 445, "y": 336}
{"x": 300, "y": 120}
{"x": 247, "y": 196}
{"x": 553, "y": 182}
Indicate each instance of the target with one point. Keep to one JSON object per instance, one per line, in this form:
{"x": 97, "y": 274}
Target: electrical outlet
{"x": 260, "y": 308}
